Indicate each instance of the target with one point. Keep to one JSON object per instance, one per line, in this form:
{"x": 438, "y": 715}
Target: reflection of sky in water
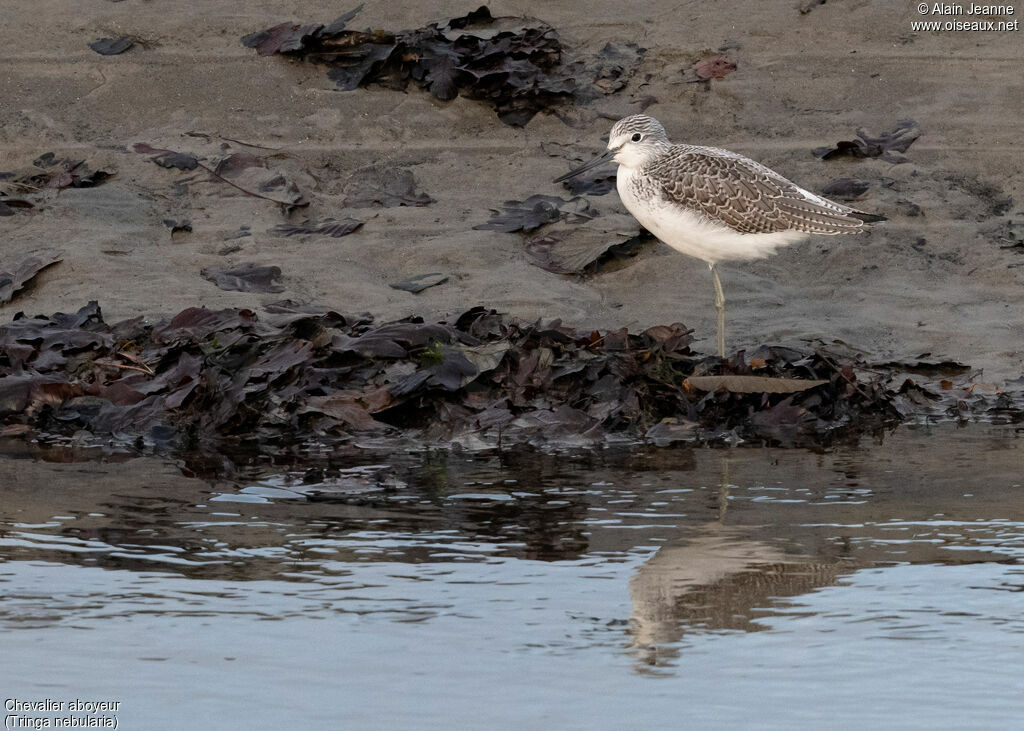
{"x": 859, "y": 586}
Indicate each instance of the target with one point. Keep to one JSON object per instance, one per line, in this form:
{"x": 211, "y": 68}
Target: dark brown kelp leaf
{"x": 395, "y": 340}
{"x": 28, "y": 393}
{"x": 247, "y": 277}
{"x": 537, "y": 211}
{"x": 167, "y": 158}
{"x": 528, "y": 215}
{"x": 237, "y": 163}
{"x": 453, "y": 371}
{"x": 485, "y": 357}
{"x": 14, "y": 278}
{"x": 345, "y": 406}
{"x": 441, "y": 76}
{"x": 112, "y": 46}
{"x": 199, "y": 323}
{"x": 283, "y": 38}
{"x": 479, "y": 19}
{"x": 61, "y": 173}
{"x": 313, "y": 323}
{"x": 78, "y": 175}
{"x": 621, "y": 252}
{"x": 283, "y": 356}
{"x": 292, "y": 37}
{"x": 369, "y": 345}
{"x": 251, "y": 175}
{"x": 327, "y": 227}
{"x": 921, "y": 365}
{"x": 549, "y": 252}
{"x": 243, "y": 171}
{"x": 888, "y": 146}
{"x": 363, "y": 59}
{"x": 592, "y": 182}
{"x": 420, "y": 282}
{"x": 338, "y": 24}
{"x": 581, "y": 250}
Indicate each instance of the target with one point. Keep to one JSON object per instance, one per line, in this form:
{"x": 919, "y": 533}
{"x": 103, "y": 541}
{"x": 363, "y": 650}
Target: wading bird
{"x": 713, "y": 204}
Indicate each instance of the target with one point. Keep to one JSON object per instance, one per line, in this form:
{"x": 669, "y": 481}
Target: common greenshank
{"x": 713, "y": 204}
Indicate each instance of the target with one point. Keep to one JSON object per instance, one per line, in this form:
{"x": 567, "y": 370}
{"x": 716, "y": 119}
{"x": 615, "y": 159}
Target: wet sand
{"x": 937, "y": 282}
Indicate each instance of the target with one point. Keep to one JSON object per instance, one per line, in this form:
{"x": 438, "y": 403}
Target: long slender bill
{"x": 599, "y": 160}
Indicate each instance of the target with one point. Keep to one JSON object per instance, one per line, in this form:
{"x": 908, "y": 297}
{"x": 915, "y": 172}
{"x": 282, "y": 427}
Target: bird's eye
{"x": 637, "y": 137}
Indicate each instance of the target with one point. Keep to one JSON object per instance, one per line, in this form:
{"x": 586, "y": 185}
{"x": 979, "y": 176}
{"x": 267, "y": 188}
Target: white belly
{"x": 695, "y": 235}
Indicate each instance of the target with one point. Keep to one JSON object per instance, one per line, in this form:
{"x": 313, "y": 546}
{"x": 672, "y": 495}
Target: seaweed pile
{"x": 298, "y": 374}
{"x": 515, "y": 64}
{"x": 48, "y": 173}
{"x": 889, "y": 146}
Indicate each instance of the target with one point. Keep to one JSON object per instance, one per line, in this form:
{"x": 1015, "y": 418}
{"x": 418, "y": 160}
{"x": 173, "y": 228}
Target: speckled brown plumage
{"x": 740, "y": 193}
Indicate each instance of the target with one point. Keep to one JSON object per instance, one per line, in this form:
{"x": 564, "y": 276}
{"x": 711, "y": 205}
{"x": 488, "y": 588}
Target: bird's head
{"x": 635, "y": 139}
{"x": 632, "y": 141}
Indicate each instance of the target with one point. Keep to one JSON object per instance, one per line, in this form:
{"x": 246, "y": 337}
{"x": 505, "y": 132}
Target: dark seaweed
{"x": 592, "y": 182}
{"x": 420, "y": 282}
{"x": 514, "y": 64}
{"x": 536, "y": 211}
{"x": 327, "y": 227}
{"x": 301, "y": 373}
{"x": 111, "y": 46}
{"x": 60, "y": 173}
{"x": 246, "y": 278}
{"x": 232, "y": 169}
{"x": 888, "y": 146}
{"x": 168, "y": 158}
{"x": 19, "y": 276}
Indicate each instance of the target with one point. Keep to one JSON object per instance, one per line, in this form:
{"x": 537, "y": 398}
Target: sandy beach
{"x": 941, "y": 276}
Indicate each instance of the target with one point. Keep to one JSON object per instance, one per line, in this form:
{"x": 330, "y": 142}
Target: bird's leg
{"x": 720, "y": 306}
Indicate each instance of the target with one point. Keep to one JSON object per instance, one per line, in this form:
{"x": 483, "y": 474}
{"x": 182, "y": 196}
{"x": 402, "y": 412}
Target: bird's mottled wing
{"x": 742, "y": 194}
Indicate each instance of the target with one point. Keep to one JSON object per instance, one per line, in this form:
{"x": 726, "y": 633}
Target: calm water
{"x": 879, "y": 584}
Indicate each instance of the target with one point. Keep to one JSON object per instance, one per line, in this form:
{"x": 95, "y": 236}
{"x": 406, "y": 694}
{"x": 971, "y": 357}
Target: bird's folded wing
{"x": 743, "y": 194}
